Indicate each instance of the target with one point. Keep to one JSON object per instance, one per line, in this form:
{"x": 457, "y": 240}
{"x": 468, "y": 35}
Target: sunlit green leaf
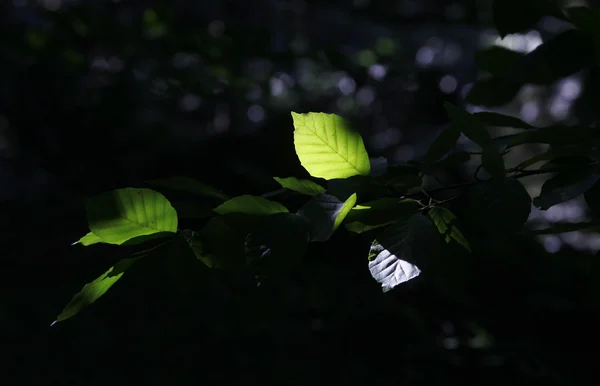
{"x": 307, "y": 187}
{"x": 325, "y": 213}
{"x": 328, "y": 148}
{"x": 124, "y": 214}
{"x": 445, "y": 220}
{"x": 94, "y": 290}
{"x": 88, "y": 239}
{"x": 397, "y": 254}
{"x": 250, "y": 205}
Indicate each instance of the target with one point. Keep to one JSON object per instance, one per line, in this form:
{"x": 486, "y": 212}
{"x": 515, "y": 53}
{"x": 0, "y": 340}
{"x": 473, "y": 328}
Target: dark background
{"x": 102, "y": 94}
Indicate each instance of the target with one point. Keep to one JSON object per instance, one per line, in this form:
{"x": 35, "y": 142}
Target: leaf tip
{"x": 53, "y": 323}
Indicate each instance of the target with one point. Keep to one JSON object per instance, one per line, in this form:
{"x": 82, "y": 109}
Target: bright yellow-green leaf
{"x": 328, "y": 148}
{"x": 94, "y": 290}
{"x": 124, "y": 214}
{"x": 88, "y": 239}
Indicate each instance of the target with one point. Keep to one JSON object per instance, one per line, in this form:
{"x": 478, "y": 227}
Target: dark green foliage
{"x": 499, "y": 206}
{"x": 260, "y": 236}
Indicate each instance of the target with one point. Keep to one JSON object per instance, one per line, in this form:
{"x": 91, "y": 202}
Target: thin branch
{"x": 522, "y": 174}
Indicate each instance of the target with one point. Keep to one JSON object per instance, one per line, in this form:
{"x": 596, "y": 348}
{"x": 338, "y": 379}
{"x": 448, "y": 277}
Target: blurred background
{"x": 101, "y": 94}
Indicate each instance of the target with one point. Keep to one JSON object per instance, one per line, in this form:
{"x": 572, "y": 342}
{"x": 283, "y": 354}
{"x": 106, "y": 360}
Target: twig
{"x": 522, "y": 174}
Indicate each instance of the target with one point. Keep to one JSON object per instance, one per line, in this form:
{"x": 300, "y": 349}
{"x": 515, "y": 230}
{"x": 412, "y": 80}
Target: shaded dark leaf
{"x": 499, "y": 205}
{"x": 592, "y": 198}
{"x": 566, "y": 186}
{"x": 561, "y": 56}
{"x": 493, "y": 162}
{"x": 499, "y": 61}
{"x": 588, "y": 20}
{"x": 454, "y": 159}
{"x": 444, "y": 142}
{"x": 492, "y": 92}
{"x": 500, "y": 120}
{"x": 279, "y": 243}
{"x": 366, "y": 187}
{"x": 186, "y": 262}
{"x": 557, "y": 152}
{"x": 190, "y": 185}
{"x": 469, "y": 125}
{"x": 382, "y": 211}
{"x": 401, "y": 177}
{"x": 325, "y": 213}
{"x": 566, "y": 227}
{"x": 223, "y": 240}
{"x": 253, "y": 205}
{"x": 557, "y": 134}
